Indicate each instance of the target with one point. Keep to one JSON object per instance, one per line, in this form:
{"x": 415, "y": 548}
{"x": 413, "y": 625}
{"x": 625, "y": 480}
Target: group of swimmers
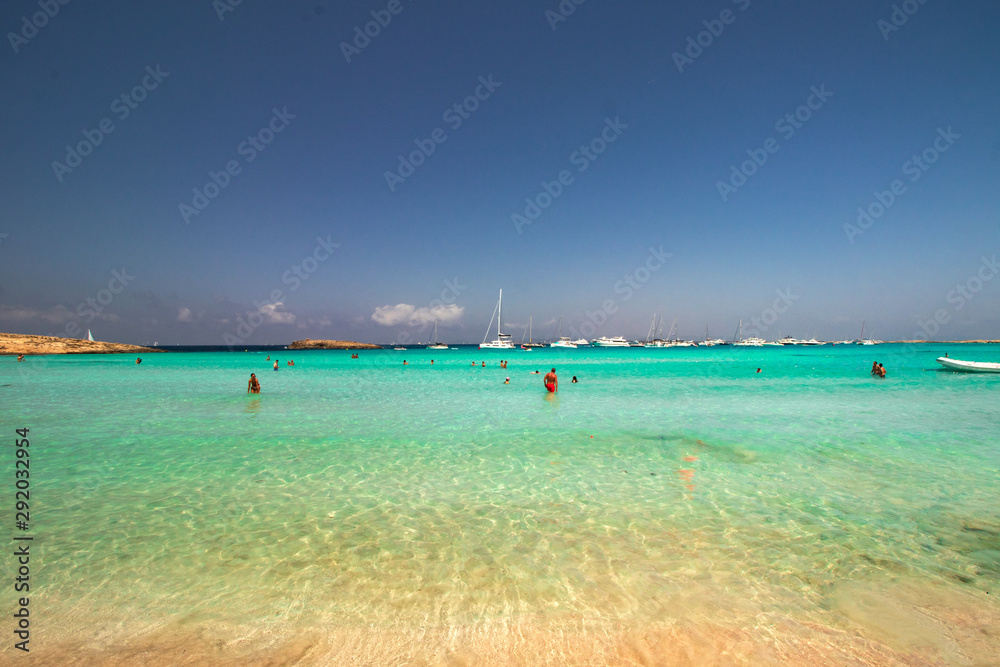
{"x": 551, "y": 380}
{"x": 878, "y": 369}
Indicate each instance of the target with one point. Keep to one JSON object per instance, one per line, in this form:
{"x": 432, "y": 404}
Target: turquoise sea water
{"x": 430, "y": 513}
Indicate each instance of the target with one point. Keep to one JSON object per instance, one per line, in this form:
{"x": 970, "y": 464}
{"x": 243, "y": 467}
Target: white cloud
{"x": 272, "y": 314}
{"x": 184, "y": 315}
{"x": 404, "y": 313}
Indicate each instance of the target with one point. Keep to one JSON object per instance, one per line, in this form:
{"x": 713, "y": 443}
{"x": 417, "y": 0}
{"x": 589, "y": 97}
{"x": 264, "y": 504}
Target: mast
{"x": 499, "y": 312}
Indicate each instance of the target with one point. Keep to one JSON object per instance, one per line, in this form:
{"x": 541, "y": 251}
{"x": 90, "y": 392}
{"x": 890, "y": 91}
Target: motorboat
{"x": 753, "y": 341}
{"x": 614, "y": 341}
{"x": 969, "y": 366}
{"x": 561, "y": 341}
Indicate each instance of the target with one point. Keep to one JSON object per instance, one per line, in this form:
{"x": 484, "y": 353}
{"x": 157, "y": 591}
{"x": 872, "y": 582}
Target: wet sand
{"x": 862, "y": 623}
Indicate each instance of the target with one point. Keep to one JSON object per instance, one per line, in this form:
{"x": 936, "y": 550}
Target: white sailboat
{"x": 653, "y": 337}
{"x": 436, "y": 345}
{"x": 90, "y": 336}
{"x": 502, "y": 341}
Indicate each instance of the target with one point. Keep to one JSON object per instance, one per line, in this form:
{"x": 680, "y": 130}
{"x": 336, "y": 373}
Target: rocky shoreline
{"x": 29, "y": 345}
{"x": 309, "y": 344}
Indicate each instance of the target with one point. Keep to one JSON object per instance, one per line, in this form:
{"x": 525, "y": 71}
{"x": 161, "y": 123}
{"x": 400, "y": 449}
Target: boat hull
{"x": 969, "y": 366}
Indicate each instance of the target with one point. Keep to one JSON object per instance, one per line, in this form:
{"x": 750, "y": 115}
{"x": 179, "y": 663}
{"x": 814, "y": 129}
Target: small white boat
{"x": 90, "y": 336}
{"x": 580, "y": 341}
{"x": 969, "y": 366}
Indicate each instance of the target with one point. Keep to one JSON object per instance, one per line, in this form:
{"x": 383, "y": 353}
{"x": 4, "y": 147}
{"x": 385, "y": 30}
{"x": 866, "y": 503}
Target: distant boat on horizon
{"x": 90, "y": 336}
{"x": 531, "y": 344}
{"x": 866, "y": 341}
{"x": 436, "y": 345}
{"x": 612, "y": 341}
{"x": 561, "y": 341}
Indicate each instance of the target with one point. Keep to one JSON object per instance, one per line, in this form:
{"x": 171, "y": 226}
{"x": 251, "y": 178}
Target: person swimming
{"x": 507, "y": 381}
{"x": 275, "y": 364}
{"x": 574, "y": 380}
{"x": 253, "y": 386}
{"x": 138, "y": 360}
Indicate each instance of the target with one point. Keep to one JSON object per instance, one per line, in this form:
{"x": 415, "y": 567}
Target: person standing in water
{"x": 275, "y": 364}
{"x": 253, "y": 387}
{"x": 551, "y": 381}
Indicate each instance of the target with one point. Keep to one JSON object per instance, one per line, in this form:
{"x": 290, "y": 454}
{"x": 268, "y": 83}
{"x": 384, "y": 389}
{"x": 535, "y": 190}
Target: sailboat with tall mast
{"x": 502, "y": 341}
{"x": 531, "y": 344}
{"x": 437, "y": 345}
{"x": 653, "y": 335}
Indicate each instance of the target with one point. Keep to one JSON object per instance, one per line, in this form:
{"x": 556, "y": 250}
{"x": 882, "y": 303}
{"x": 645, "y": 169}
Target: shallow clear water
{"x": 669, "y": 488}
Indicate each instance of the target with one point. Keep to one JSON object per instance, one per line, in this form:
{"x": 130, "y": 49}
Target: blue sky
{"x": 307, "y": 236}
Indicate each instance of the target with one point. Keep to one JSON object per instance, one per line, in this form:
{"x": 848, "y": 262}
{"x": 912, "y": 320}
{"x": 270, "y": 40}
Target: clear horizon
{"x": 203, "y": 173}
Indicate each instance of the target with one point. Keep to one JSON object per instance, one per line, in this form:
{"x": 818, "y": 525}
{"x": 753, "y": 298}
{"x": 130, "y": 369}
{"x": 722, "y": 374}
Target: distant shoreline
{"x": 35, "y": 345}
{"x": 14, "y": 344}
